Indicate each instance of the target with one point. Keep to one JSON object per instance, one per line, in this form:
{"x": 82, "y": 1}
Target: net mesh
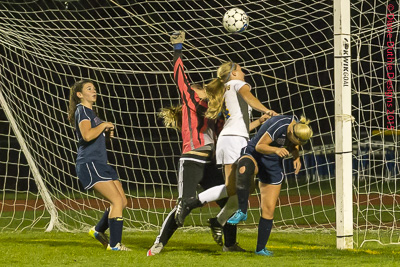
{"x": 287, "y": 54}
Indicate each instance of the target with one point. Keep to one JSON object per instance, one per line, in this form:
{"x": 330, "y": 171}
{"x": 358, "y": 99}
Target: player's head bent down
{"x": 81, "y": 92}
{"x": 300, "y": 132}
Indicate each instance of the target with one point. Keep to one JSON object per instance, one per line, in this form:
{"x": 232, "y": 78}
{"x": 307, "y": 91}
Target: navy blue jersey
{"x": 276, "y": 128}
{"x": 94, "y": 150}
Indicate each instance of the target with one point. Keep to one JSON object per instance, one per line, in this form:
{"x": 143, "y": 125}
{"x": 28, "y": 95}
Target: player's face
{"x": 238, "y": 73}
{"x": 88, "y": 93}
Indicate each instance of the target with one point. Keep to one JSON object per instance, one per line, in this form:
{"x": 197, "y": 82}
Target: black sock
{"x": 168, "y": 228}
{"x": 102, "y": 225}
{"x": 264, "y": 230}
{"x": 116, "y": 225}
{"x": 230, "y": 232}
{"x": 243, "y": 197}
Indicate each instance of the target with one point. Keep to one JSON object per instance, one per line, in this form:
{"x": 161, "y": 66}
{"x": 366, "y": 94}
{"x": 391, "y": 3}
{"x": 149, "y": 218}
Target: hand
{"x": 282, "y": 152}
{"x": 178, "y": 37}
{"x": 296, "y": 165}
{"x": 108, "y": 126}
{"x": 263, "y": 118}
{"x": 271, "y": 113}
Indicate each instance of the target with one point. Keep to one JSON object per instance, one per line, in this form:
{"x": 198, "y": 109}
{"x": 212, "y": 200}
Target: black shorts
{"x": 94, "y": 172}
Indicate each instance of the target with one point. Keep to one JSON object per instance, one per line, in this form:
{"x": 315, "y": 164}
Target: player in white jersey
{"x": 231, "y": 95}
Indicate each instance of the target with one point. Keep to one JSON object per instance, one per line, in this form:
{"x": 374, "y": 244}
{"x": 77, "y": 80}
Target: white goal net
{"x": 123, "y": 46}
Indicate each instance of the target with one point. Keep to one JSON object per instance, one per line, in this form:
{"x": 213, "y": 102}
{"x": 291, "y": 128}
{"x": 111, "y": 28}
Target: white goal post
{"x": 343, "y": 125}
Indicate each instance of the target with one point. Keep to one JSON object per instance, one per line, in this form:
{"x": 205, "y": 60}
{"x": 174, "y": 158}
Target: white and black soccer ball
{"x": 235, "y": 20}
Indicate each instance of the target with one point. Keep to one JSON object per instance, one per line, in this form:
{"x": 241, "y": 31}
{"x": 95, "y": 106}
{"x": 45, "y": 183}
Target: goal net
{"x": 123, "y": 46}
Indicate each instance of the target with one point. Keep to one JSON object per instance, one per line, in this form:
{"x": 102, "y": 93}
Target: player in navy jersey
{"x": 277, "y": 138}
{"x": 91, "y": 163}
{"x": 197, "y": 163}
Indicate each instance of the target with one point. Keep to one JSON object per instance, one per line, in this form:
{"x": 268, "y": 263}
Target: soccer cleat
{"x": 264, "y": 252}
{"x": 216, "y": 230}
{"x": 238, "y": 217}
{"x": 118, "y": 247}
{"x": 234, "y": 248}
{"x": 155, "y": 249}
{"x": 184, "y": 207}
{"x": 101, "y": 237}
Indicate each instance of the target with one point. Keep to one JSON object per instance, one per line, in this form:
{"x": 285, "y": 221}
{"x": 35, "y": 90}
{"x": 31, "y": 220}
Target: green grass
{"x": 187, "y": 248}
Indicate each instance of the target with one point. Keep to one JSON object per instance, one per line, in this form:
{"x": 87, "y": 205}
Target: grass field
{"x": 188, "y": 248}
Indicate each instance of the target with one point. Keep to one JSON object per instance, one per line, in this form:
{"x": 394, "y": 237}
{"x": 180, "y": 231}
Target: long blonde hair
{"x": 215, "y": 90}
{"x": 303, "y": 130}
{"x": 172, "y": 117}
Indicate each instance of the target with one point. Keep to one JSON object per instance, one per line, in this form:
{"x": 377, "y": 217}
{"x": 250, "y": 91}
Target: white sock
{"x": 230, "y": 207}
{"x": 213, "y": 194}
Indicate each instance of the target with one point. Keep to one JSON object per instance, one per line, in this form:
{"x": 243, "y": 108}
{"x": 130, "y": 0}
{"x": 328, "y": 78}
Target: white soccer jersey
{"x": 237, "y": 111}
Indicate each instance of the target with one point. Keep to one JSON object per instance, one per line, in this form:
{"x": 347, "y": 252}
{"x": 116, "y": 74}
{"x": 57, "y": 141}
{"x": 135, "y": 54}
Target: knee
{"x": 124, "y": 202}
{"x": 119, "y": 202}
{"x": 245, "y": 172}
{"x": 267, "y": 212}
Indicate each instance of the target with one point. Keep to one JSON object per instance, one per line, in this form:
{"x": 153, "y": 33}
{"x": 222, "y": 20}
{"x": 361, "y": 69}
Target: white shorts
{"x": 229, "y": 147}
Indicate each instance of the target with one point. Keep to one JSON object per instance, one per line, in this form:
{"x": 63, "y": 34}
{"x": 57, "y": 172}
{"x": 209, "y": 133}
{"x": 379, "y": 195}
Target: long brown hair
{"x": 215, "y": 90}
{"x": 172, "y": 117}
{"x": 74, "y": 99}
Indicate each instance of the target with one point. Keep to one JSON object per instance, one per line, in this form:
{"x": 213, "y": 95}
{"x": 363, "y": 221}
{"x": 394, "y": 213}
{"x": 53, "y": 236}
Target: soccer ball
{"x": 235, "y": 20}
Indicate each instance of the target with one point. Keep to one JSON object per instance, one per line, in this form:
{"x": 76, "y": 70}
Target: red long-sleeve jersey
{"x": 197, "y": 130}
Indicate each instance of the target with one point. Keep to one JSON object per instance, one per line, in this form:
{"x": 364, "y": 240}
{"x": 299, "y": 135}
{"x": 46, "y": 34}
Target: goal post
{"x": 343, "y": 125}
{"x": 43, "y": 191}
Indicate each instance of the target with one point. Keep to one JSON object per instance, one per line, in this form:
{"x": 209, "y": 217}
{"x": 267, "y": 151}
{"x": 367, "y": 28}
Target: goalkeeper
{"x": 197, "y": 163}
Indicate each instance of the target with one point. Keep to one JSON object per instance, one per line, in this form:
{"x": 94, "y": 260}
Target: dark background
{"x": 287, "y": 54}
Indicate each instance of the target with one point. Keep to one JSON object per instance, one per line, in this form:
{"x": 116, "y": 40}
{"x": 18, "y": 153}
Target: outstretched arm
{"x": 254, "y": 124}
{"x": 253, "y": 102}
{"x": 188, "y": 95}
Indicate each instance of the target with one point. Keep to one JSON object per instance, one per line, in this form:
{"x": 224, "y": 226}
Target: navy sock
{"x": 264, "y": 230}
{"x": 116, "y": 225}
{"x": 230, "y": 232}
{"x": 243, "y": 197}
{"x": 102, "y": 225}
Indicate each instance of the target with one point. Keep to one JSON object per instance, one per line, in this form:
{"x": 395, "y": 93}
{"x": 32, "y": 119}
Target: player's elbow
{"x": 258, "y": 148}
{"x": 86, "y": 137}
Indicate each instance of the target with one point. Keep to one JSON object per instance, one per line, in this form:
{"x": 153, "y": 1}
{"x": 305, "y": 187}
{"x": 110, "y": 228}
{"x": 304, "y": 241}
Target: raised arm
{"x": 188, "y": 95}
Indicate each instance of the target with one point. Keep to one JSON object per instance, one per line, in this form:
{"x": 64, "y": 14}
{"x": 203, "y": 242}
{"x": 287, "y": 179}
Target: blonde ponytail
{"x": 172, "y": 117}
{"x": 215, "y": 90}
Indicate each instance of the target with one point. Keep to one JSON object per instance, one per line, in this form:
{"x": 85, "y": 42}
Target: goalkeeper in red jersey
{"x": 197, "y": 163}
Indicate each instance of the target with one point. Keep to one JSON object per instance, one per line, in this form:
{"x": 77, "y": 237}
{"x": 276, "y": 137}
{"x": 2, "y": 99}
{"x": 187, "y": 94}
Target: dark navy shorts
{"x": 270, "y": 168}
{"x": 270, "y": 171}
{"x": 94, "y": 172}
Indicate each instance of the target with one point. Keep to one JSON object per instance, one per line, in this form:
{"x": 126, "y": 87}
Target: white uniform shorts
{"x": 229, "y": 147}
